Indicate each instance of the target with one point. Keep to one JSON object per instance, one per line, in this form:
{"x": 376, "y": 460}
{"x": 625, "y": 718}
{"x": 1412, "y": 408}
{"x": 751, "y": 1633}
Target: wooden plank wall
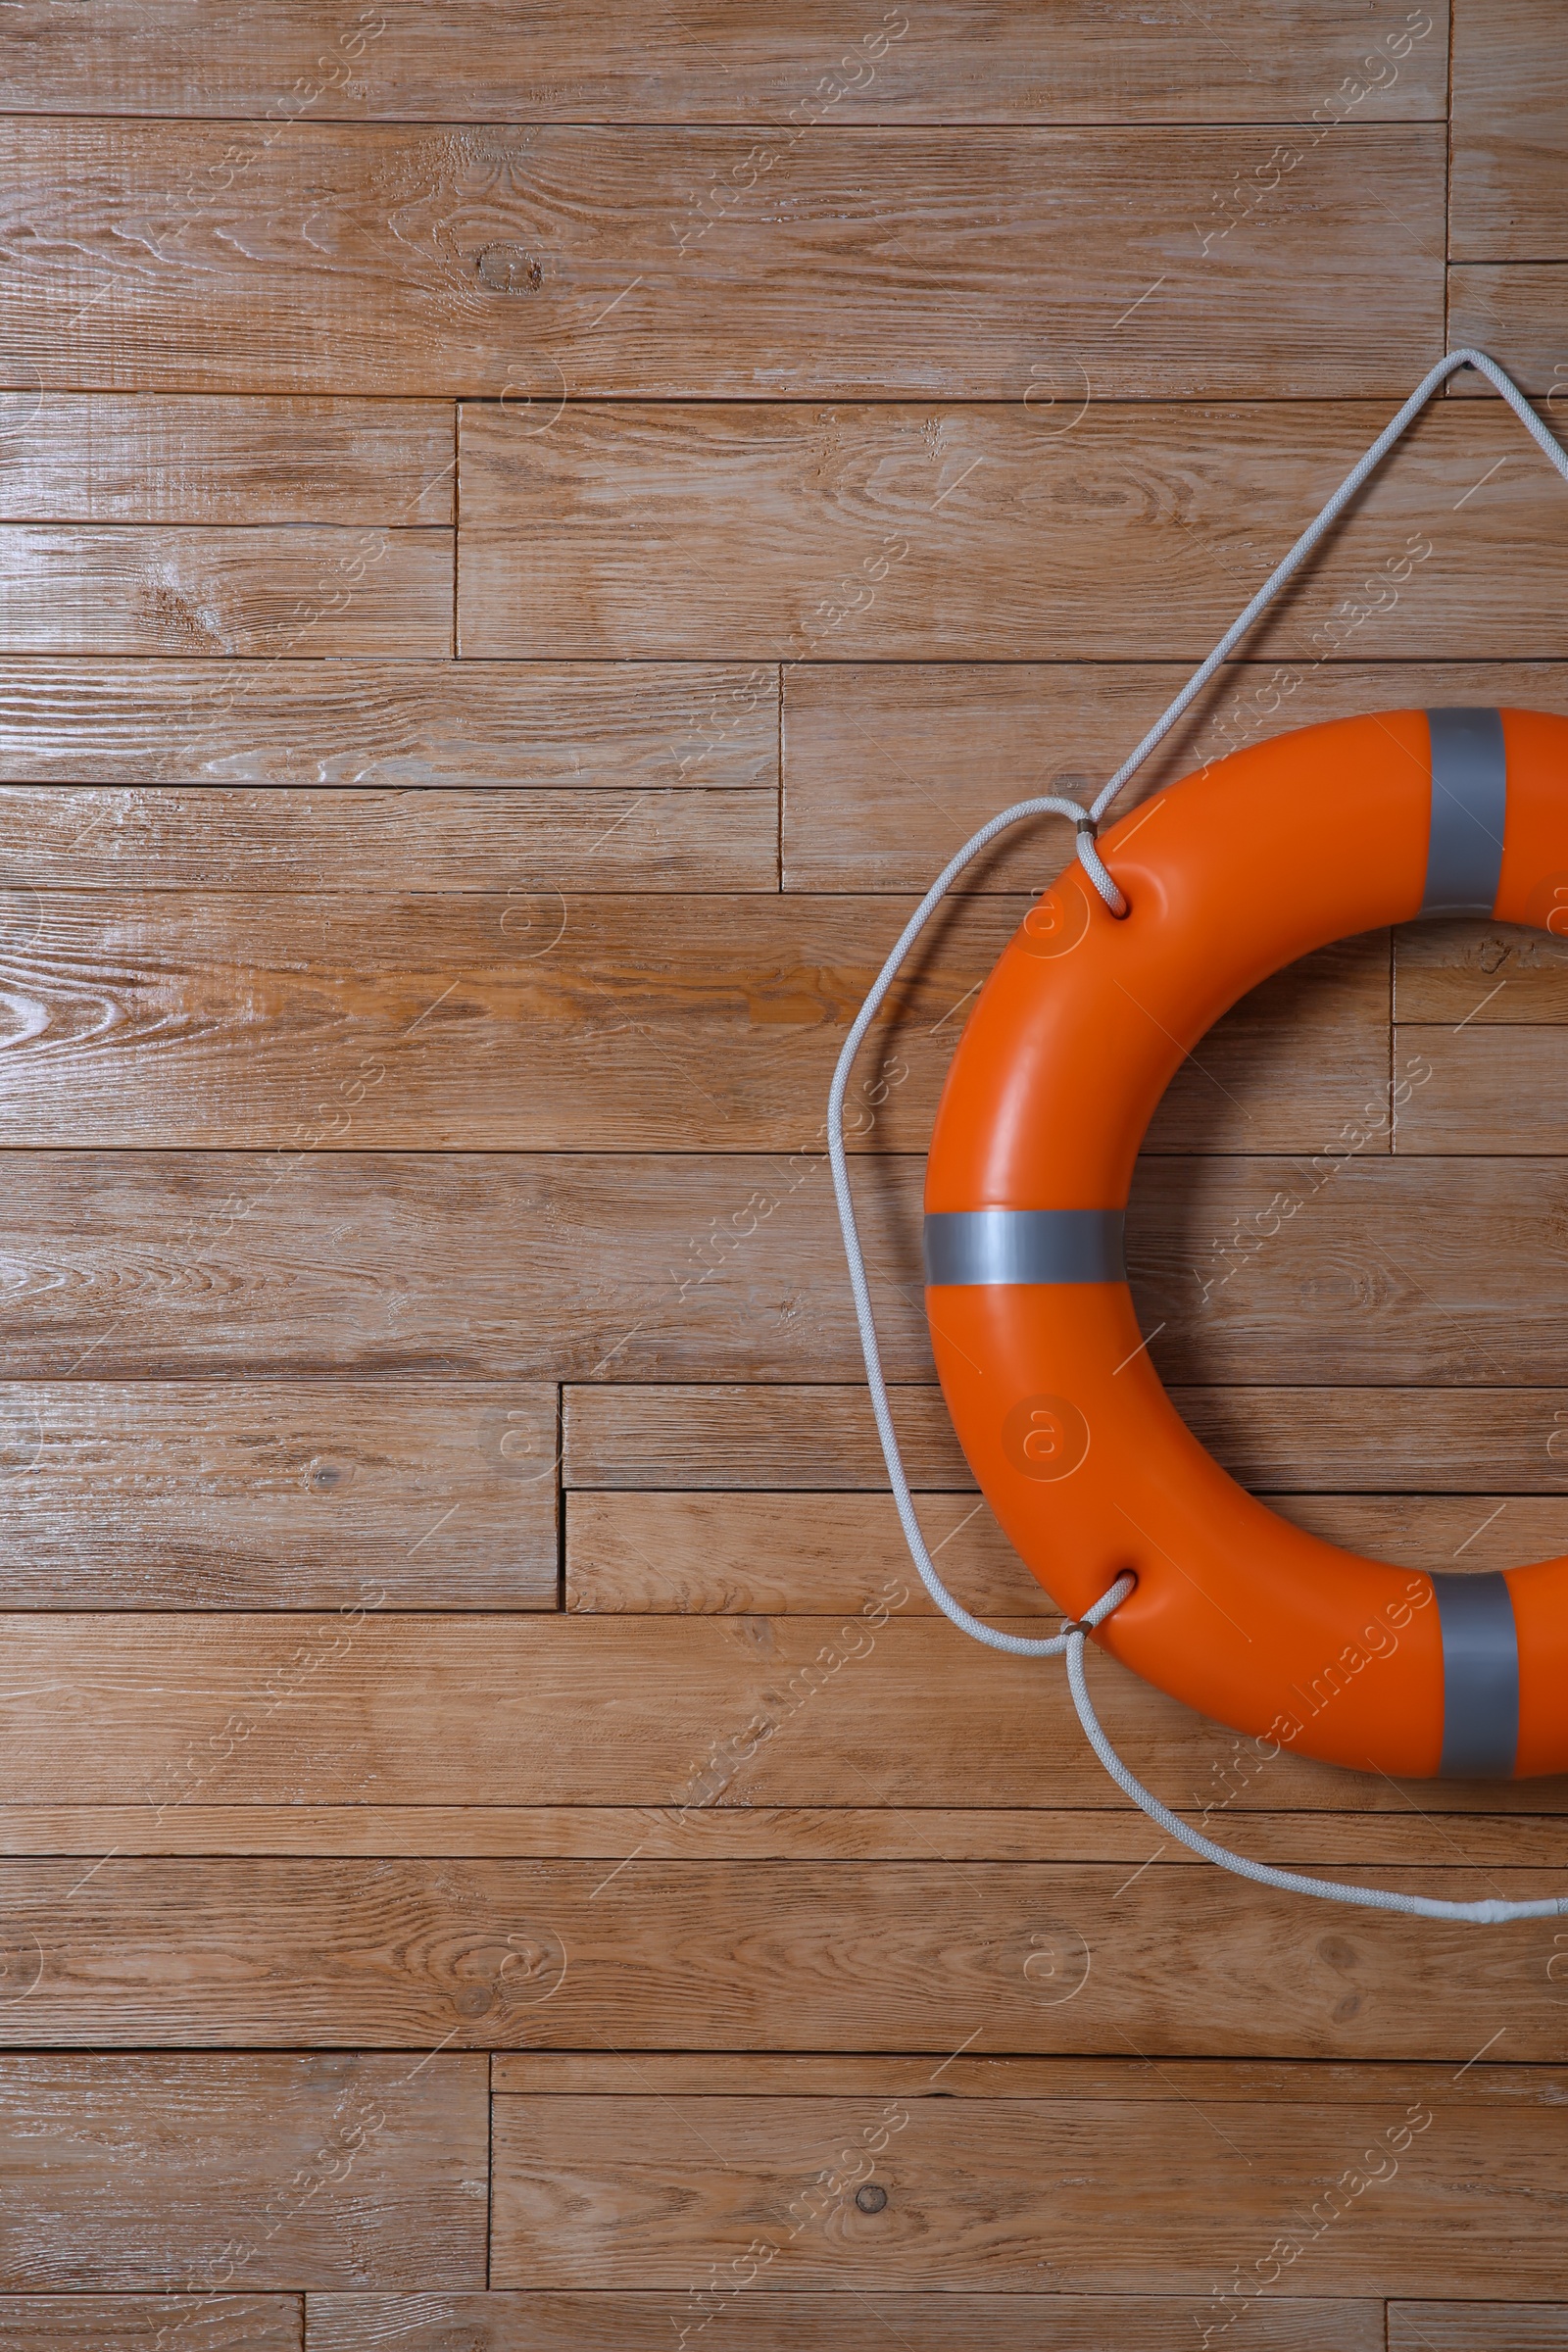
{"x": 528, "y": 535}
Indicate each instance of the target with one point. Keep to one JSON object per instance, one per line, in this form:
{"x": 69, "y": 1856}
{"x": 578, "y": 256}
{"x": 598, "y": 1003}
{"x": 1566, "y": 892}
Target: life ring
{"x": 1261, "y": 857}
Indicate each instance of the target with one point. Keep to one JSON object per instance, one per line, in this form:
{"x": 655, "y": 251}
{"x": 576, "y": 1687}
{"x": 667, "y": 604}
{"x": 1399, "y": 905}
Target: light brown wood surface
{"x": 537, "y": 262}
{"x": 996, "y": 2196}
{"x": 890, "y": 766}
{"x": 775, "y": 532}
{"x": 366, "y": 1705}
{"x": 537, "y": 2321}
{"x": 1508, "y": 198}
{"x": 1514, "y": 307}
{"x": 425, "y": 1493}
{"x": 531, "y": 1020}
{"x": 206, "y": 2173}
{"x": 527, "y": 537}
{"x": 400, "y": 724}
{"x": 1477, "y": 2327}
{"x": 977, "y": 2073}
{"x": 169, "y": 458}
{"x": 720, "y": 61}
{"x": 775, "y": 1554}
{"x": 470, "y": 1954}
{"x": 150, "y": 2323}
{"x": 574, "y": 1268}
{"x": 130, "y": 588}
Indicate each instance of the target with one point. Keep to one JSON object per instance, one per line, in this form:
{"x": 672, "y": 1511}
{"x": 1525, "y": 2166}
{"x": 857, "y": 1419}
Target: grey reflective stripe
{"x": 1469, "y": 801}
{"x": 1025, "y": 1244}
{"x": 1479, "y": 1677}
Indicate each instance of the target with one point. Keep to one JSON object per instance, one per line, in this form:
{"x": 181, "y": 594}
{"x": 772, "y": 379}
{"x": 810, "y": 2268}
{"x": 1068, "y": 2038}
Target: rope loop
{"x": 1086, "y": 822}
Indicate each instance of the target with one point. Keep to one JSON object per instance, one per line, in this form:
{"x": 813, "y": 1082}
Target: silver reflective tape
{"x": 1469, "y": 801}
{"x": 1025, "y": 1244}
{"x": 1479, "y": 1677}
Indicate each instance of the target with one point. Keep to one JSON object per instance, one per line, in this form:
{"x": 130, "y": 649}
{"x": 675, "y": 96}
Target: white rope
{"x": 1070, "y": 1641}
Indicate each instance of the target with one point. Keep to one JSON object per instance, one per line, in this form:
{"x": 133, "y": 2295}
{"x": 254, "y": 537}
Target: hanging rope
{"x": 1070, "y": 1641}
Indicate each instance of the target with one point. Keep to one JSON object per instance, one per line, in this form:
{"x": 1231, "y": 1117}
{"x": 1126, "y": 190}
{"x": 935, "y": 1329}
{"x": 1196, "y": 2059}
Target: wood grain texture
{"x": 976, "y": 2072}
{"x": 152, "y": 2323}
{"x": 1465, "y": 973}
{"x": 1508, "y": 195}
{"x": 1086, "y": 1958}
{"x": 545, "y": 261}
{"x": 1478, "y": 2327}
{"x": 1495, "y": 1088}
{"x": 1315, "y": 1840}
{"x": 719, "y": 61}
{"x": 425, "y": 1493}
{"x": 808, "y": 1554}
{"x": 777, "y": 1554}
{"x": 318, "y": 1264}
{"x": 890, "y": 766}
{"x": 522, "y": 1020}
{"x": 529, "y": 1021}
{"x": 819, "y": 1438}
{"x": 73, "y": 457}
{"x": 236, "y": 838}
{"x": 773, "y": 533}
{"x": 575, "y": 726}
{"x": 130, "y": 588}
{"x": 1276, "y": 1438}
{"x": 1515, "y": 308}
{"x": 365, "y": 1708}
{"x": 208, "y": 2173}
{"x": 621, "y": 2322}
{"x": 1406, "y": 1269}
{"x": 983, "y": 2195}
{"x": 1496, "y": 998}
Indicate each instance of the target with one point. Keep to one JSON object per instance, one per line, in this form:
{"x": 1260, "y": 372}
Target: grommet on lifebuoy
{"x": 1260, "y": 858}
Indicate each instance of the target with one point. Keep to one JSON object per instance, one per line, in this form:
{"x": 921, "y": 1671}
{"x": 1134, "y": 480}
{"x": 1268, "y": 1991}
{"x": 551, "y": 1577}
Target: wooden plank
{"x": 1465, "y": 973}
{"x": 316, "y": 1263}
{"x": 682, "y": 262}
{"x": 820, "y": 1439}
{"x": 578, "y": 727}
{"x": 1515, "y": 308}
{"x": 1089, "y": 1958}
{"x": 172, "y": 458}
{"x": 719, "y": 61}
{"x": 517, "y": 1020}
{"x": 1474, "y": 1442}
{"x": 620, "y": 2322}
{"x": 1011, "y": 2194}
{"x": 106, "y": 588}
{"x": 1478, "y": 2327}
{"x": 882, "y": 783}
{"x": 976, "y": 2073}
{"x": 1287, "y": 1441}
{"x": 1317, "y": 1840}
{"x": 1408, "y": 1269}
{"x": 532, "y": 1022}
{"x": 769, "y": 1554}
{"x": 1508, "y": 198}
{"x": 905, "y": 532}
{"x": 207, "y": 2173}
{"x": 238, "y": 838}
{"x": 422, "y": 1494}
{"x": 152, "y": 2323}
{"x": 1495, "y": 1088}
{"x": 169, "y": 1710}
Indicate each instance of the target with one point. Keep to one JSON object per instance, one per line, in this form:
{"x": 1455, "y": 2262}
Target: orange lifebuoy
{"x": 1260, "y": 858}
